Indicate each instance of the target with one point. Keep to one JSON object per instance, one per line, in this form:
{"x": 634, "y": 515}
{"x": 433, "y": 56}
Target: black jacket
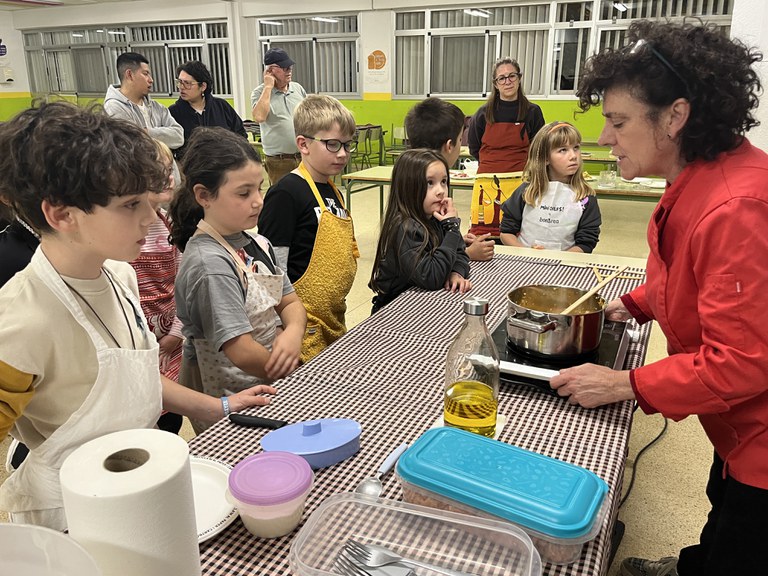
{"x": 411, "y": 265}
{"x": 217, "y": 112}
{"x": 17, "y": 244}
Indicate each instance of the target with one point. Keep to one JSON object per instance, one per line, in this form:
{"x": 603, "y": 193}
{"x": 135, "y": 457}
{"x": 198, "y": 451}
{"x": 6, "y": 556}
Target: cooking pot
{"x": 535, "y": 326}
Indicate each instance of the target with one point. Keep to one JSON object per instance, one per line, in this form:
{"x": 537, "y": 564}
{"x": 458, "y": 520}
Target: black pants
{"x": 734, "y": 541}
{"x": 170, "y": 422}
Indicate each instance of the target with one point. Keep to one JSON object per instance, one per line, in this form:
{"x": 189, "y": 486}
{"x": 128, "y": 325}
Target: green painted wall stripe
{"x": 388, "y": 113}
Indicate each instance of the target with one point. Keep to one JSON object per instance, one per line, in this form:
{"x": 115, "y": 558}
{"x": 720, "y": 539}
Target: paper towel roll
{"x": 128, "y": 500}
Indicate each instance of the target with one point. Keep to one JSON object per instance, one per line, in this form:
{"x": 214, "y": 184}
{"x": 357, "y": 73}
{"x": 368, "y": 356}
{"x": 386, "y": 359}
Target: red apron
{"x": 504, "y": 148}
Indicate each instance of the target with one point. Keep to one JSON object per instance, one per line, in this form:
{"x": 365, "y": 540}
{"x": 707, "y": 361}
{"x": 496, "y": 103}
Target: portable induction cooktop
{"x": 535, "y": 370}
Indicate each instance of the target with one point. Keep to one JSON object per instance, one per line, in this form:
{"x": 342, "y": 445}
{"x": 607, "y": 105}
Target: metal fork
{"x": 349, "y": 568}
{"x": 374, "y": 556}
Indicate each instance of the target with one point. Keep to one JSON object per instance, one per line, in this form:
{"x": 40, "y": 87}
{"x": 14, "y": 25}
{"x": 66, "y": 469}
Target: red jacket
{"x": 707, "y": 286}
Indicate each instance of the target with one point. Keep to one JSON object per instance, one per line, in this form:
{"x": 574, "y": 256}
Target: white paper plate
{"x": 459, "y": 175}
{"x": 209, "y": 483}
{"x": 654, "y": 183}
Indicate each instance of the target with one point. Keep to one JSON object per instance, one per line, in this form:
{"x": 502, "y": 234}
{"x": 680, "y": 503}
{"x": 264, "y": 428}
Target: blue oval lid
{"x": 315, "y": 437}
{"x": 550, "y": 496}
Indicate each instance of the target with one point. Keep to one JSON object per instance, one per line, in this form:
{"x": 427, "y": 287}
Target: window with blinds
{"x": 82, "y": 61}
{"x": 324, "y": 49}
{"x": 450, "y": 52}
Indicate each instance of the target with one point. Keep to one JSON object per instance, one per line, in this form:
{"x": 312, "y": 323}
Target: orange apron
{"x": 324, "y": 286}
{"x": 503, "y": 148}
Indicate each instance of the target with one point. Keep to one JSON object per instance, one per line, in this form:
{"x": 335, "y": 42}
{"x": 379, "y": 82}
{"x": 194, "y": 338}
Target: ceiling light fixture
{"x": 620, "y": 6}
{"x": 271, "y": 22}
{"x": 324, "y": 19}
{"x": 479, "y": 12}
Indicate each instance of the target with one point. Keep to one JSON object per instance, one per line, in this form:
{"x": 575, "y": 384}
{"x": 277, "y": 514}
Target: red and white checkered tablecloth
{"x": 387, "y": 373}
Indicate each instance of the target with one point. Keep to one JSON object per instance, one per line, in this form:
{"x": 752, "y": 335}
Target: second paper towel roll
{"x": 129, "y": 502}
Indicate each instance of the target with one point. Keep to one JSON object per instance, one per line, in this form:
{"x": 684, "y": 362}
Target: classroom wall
{"x": 15, "y": 96}
{"x": 749, "y": 17}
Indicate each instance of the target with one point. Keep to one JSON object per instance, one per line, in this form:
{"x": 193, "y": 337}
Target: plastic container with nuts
{"x": 560, "y": 505}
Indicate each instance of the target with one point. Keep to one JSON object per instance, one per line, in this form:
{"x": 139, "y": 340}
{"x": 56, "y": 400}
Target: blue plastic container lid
{"x": 315, "y": 437}
{"x": 549, "y": 496}
{"x": 270, "y": 478}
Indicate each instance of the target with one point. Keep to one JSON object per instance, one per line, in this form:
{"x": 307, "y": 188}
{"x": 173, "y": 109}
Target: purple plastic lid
{"x": 270, "y": 478}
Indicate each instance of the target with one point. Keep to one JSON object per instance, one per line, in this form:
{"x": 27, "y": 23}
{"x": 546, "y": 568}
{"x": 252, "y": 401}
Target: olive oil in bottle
{"x": 470, "y": 405}
{"x": 472, "y": 374}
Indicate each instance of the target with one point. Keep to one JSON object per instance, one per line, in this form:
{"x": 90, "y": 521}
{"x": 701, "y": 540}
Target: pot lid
{"x": 312, "y": 436}
{"x": 270, "y": 478}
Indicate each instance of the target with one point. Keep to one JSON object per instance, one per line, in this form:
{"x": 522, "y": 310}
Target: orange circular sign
{"x": 377, "y": 60}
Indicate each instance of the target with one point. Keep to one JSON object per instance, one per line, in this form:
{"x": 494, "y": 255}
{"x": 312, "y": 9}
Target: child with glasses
{"x": 307, "y": 222}
{"x": 555, "y": 208}
{"x": 420, "y": 243}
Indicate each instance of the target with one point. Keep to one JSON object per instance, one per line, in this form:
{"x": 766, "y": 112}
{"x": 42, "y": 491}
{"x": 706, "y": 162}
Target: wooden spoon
{"x": 593, "y": 291}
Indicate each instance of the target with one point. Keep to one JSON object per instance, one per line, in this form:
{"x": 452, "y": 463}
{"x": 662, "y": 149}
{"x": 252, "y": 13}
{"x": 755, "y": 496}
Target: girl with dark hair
{"x": 502, "y": 129}
{"x": 706, "y": 274}
{"x": 230, "y": 295}
{"x": 420, "y": 243}
{"x": 555, "y": 208}
{"x": 197, "y": 106}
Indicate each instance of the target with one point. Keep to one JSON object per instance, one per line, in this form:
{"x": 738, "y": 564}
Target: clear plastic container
{"x": 38, "y": 551}
{"x": 269, "y": 491}
{"x": 446, "y": 539}
{"x": 561, "y": 506}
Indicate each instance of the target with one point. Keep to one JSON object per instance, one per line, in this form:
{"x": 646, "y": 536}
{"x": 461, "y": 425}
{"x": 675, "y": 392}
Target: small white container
{"x": 269, "y": 491}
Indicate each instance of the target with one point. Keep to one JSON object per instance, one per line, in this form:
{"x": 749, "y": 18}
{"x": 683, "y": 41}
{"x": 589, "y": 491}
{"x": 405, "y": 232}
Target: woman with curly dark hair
{"x": 677, "y": 101}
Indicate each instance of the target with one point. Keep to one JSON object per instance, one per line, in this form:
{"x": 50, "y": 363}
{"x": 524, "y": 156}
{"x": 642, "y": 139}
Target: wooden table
{"x": 381, "y": 176}
{"x": 387, "y": 373}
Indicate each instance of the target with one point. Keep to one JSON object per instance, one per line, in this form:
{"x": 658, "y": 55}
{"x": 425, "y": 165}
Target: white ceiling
{"x": 28, "y": 4}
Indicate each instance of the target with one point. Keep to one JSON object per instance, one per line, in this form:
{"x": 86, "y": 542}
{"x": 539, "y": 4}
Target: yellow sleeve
{"x": 15, "y": 393}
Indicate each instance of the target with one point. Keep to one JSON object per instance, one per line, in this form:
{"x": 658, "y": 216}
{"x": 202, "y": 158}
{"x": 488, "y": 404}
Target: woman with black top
{"x": 502, "y": 129}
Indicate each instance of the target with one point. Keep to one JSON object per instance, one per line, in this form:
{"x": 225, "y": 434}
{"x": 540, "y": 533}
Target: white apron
{"x": 553, "y": 223}
{"x": 263, "y": 291}
{"x": 127, "y": 394}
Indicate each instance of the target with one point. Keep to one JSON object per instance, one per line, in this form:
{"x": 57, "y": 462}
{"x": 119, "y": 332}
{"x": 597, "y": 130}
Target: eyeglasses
{"x": 334, "y": 145}
{"x": 637, "y": 47}
{"x": 186, "y": 83}
{"x": 508, "y": 79}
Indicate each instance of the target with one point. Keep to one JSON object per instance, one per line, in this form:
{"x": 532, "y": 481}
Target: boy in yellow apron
{"x": 311, "y": 230}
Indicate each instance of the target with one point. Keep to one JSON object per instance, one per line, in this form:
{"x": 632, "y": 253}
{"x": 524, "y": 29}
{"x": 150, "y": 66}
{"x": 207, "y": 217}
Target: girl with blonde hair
{"x": 554, "y": 208}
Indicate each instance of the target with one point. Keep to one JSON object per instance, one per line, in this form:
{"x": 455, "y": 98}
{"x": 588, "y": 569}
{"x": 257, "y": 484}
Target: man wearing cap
{"x": 273, "y": 104}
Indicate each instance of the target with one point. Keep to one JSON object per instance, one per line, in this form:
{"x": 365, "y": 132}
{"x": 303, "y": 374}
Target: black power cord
{"x": 637, "y": 459}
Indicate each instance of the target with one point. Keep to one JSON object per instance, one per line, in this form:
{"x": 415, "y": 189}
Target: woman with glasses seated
{"x": 677, "y": 102}
{"x": 197, "y": 106}
{"x": 502, "y": 129}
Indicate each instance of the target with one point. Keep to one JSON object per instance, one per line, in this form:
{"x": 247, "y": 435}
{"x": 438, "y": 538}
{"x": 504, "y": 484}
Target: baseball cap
{"x": 279, "y": 57}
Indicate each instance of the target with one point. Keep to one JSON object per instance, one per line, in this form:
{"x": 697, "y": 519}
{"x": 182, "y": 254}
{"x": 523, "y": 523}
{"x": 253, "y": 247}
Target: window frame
{"x": 595, "y": 27}
{"x": 314, "y": 38}
{"x": 116, "y": 43}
